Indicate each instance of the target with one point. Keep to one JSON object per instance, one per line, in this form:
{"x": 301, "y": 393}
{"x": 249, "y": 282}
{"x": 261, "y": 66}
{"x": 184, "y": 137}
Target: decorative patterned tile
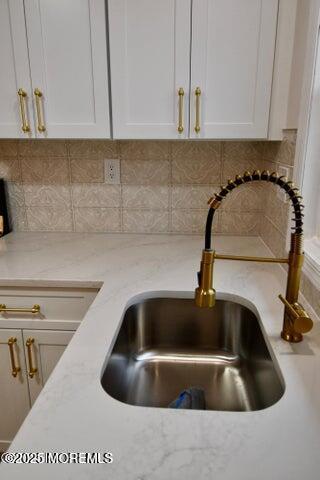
{"x": 277, "y": 210}
{"x": 147, "y": 221}
{"x": 47, "y": 196}
{"x": 155, "y": 197}
{"x": 243, "y": 151}
{"x": 196, "y": 150}
{"x": 196, "y": 162}
{"x": 18, "y": 219}
{"x": 10, "y": 168}
{"x": 45, "y": 170}
{"x": 241, "y": 156}
{"x": 16, "y": 207}
{"x": 145, "y": 172}
{"x": 273, "y": 238}
{"x": 42, "y": 148}
{"x": 8, "y": 147}
{"x": 99, "y": 195}
{"x": 282, "y": 152}
{"x": 49, "y": 219}
{"x": 144, "y": 150}
{"x": 15, "y": 194}
{"x": 97, "y": 219}
{"x": 233, "y": 223}
{"x": 196, "y": 171}
{"x": 250, "y": 197}
{"x": 87, "y": 170}
{"x": 192, "y": 221}
{"x": 192, "y": 196}
{"x": 102, "y": 148}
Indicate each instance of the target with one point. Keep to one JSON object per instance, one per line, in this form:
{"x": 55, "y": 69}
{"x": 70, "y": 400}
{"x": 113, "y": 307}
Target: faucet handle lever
{"x": 301, "y": 321}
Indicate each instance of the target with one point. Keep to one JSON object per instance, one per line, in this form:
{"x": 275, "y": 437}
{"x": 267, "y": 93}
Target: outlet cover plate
{"x": 112, "y": 171}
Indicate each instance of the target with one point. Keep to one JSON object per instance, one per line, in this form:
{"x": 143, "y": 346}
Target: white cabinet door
{"x": 15, "y": 73}
{"x": 68, "y": 61}
{"x": 149, "y": 63}
{"x": 232, "y": 56}
{"x": 14, "y": 394}
{"x": 43, "y": 349}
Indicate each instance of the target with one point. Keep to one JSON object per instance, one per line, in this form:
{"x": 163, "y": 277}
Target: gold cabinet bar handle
{"x": 23, "y": 110}
{"x": 1, "y": 225}
{"x": 197, "y": 125}
{"x": 32, "y": 369}
{"x": 14, "y": 368}
{"x": 4, "y": 309}
{"x": 181, "y": 95}
{"x": 38, "y": 95}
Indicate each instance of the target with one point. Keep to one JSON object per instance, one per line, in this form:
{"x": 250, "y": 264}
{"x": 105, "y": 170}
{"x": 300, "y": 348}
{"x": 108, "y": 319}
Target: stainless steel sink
{"x": 166, "y": 345}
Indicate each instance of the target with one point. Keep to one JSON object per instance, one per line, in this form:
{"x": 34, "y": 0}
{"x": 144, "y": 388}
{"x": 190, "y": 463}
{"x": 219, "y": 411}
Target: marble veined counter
{"x": 74, "y": 414}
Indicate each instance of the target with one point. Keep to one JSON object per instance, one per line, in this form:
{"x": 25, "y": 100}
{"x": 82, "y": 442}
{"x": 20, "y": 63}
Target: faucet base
{"x": 294, "y": 337}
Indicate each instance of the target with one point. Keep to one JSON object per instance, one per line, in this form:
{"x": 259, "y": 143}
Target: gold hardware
{"x": 1, "y": 225}
{"x": 32, "y": 369}
{"x": 214, "y": 202}
{"x": 251, "y": 259}
{"x": 23, "y": 110}
{"x": 14, "y": 368}
{"x": 4, "y": 309}
{"x": 38, "y": 95}
{"x": 197, "y": 125}
{"x": 205, "y": 294}
{"x": 181, "y": 95}
{"x": 296, "y": 321}
{"x": 301, "y": 322}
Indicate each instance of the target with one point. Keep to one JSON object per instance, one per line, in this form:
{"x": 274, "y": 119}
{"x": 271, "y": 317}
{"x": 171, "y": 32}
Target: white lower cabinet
{"x": 36, "y": 325}
{"x": 27, "y": 358}
{"x": 14, "y": 391}
{"x": 43, "y": 349}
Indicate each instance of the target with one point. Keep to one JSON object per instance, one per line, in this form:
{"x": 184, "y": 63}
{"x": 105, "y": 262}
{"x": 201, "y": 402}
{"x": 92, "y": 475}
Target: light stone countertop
{"x": 74, "y": 414}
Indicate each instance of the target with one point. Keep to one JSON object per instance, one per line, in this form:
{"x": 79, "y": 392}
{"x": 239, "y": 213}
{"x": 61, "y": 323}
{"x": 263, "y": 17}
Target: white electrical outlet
{"x": 112, "y": 171}
{"x": 283, "y": 171}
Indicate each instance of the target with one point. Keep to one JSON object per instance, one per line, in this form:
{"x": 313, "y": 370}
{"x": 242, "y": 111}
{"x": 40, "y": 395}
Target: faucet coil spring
{"x": 256, "y": 175}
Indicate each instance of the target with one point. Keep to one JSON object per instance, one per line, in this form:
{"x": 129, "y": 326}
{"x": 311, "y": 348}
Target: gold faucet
{"x": 296, "y": 321}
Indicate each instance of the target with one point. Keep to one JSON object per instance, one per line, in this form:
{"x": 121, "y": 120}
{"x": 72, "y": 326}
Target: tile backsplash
{"x": 274, "y": 229}
{"x": 59, "y": 185}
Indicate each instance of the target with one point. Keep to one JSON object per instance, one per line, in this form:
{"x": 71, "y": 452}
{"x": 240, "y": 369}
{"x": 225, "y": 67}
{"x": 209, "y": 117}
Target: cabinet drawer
{"x": 56, "y": 303}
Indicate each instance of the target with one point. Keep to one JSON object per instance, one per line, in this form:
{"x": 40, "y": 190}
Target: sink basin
{"x": 167, "y": 344}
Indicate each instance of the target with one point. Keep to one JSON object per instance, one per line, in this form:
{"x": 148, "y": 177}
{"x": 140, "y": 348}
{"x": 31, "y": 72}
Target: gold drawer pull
{"x": 32, "y": 369}
{"x": 181, "y": 95}
{"x": 14, "y": 368}
{"x": 197, "y": 125}
{"x": 38, "y": 95}
{"x": 23, "y": 110}
{"x": 4, "y": 309}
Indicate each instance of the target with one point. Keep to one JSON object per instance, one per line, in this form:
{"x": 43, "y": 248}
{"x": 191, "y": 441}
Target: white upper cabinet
{"x": 68, "y": 63}
{"x": 232, "y": 54}
{"x": 14, "y": 74}
{"x": 149, "y": 63}
{"x": 229, "y": 53}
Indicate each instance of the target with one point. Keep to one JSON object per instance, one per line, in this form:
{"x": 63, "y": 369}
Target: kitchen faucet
{"x": 296, "y": 321}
